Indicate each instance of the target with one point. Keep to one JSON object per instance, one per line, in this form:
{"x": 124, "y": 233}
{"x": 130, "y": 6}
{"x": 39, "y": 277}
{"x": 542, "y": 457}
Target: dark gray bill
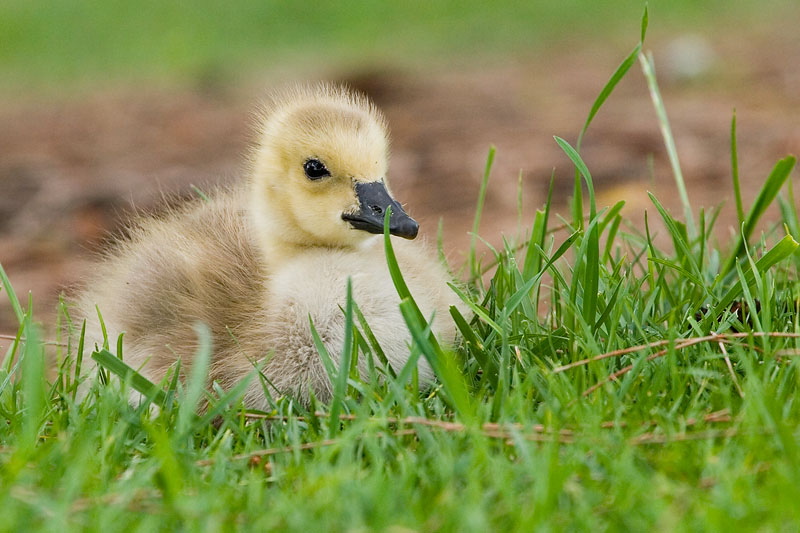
{"x": 373, "y": 199}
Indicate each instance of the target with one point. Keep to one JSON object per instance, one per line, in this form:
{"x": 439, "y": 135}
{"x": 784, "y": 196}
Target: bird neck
{"x": 278, "y": 238}
{"x": 277, "y": 251}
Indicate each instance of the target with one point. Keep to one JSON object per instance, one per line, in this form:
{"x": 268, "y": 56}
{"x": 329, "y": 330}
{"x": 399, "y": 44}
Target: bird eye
{"x": 315, "y": 169}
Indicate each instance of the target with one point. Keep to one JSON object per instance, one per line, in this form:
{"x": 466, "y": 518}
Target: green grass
{"x": 78, "y": 42}
{"x": 656, "y": 401}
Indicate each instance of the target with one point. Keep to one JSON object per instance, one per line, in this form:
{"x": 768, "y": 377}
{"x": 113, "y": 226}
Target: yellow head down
{"x": 319, "y": 171}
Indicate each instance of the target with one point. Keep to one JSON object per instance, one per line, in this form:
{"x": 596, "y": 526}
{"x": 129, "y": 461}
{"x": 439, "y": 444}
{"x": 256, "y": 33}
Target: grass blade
{"x": 766, "y": 196}
{"x": 473, "y": 261}
{"x": 645, "y": 22}
{"x": 648, "y": 68}
{"x": 138, "y": 382}
{"x": 417, "y": 325}
{"x": 197, "y": 381}
{"x": 482, "y": 313}
{"x": 340, "y": 386}
{"x": 33, "y": 380}
{"x": 737, "y": 191}
{"x": 225, "y": 400}
{"x": 12, "y": 296}
{"x": 619, "y": 73}
{"x": 477, "y": 348}
{"x": 785, "y": 248}
{"x": 327, "y": 361}
{"x": 592, "y": 259}
{"x": 533, "y": 259}
{"x": 515, "y": 299}
{"x": 443, "y": 365}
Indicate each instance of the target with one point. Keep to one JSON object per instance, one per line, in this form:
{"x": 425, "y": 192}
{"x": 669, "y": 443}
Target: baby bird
{"x": 257, "y": 262}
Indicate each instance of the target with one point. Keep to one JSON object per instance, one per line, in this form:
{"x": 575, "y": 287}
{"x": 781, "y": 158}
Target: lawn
{"x": 602, "y": 383}
{"x": 78, "y": 43}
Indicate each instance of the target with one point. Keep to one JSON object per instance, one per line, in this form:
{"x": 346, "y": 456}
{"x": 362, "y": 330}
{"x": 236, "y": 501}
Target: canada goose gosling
{"x": 254, "y": 263}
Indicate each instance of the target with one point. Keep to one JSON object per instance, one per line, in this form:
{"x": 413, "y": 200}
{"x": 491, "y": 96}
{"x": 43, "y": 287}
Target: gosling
{"x": 257, "y": 263}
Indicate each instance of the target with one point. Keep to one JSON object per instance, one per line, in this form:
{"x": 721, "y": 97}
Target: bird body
{"x": 260, "y": 262}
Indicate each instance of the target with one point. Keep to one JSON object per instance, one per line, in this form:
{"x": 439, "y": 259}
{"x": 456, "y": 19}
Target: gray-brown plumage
{"x": 256, "y": 261}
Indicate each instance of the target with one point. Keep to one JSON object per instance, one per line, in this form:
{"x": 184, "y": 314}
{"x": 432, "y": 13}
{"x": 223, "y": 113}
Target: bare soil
{"x": 73, "y": 169}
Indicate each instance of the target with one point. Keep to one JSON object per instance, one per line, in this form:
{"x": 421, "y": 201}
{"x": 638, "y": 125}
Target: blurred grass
{"x": 71, "y": 42}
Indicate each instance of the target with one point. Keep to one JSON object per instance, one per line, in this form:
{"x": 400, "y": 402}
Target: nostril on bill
{"x": 378, "y": 210}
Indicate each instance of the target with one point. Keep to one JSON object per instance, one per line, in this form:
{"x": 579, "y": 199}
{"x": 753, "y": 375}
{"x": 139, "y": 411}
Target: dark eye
{"x": 315, "y": 169}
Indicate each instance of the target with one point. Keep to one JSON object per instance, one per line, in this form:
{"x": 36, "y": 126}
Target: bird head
{"x": 319, "y": 170}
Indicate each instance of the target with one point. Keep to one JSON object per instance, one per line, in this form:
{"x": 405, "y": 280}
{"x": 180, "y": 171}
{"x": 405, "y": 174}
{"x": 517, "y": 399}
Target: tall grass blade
{"x": 443, "y": 365}
{"x": 648, "y": 68}
{"x": 577, "y": 203}
{"x": 766, "y": 196}
{"x": 475, "y": 346}
{"x": 622, "y": 69}
{"x": 789, "y": 215}
{"x": 533, "y": 259}
{"x": 679, "y": 237}
{"x": 225, "y": 400}
{"x": 33, "y": 380}
{"x": 340, "y": 386}
{"x": 645, "y": 22}
{"x": 737, "y": 191}
{"x": 79, "y": 360}
{"x": 11, "y": 295}
{"x": 327, "y": 361}
{"x": 516, "y": 298}
{"x": 418, "y": 325}
{"x": 783, "y": 249}
{"x": 197, "y": 381}
{"x": 473, "y": 261}
{"x": 483, "y": 314}
{"x": 373, "y": 341}
{"x": 138, "y": 382}
{"x": 592, "y": 257}
{"x": 200, "y": 193}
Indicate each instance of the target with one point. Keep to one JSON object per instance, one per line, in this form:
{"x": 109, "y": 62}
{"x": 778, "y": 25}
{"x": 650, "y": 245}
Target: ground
{"x": 73, "y": 167}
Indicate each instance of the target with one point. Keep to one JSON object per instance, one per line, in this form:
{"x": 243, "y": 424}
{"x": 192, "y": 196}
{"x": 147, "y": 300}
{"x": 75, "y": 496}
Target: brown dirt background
{"x": 73, "y": 168}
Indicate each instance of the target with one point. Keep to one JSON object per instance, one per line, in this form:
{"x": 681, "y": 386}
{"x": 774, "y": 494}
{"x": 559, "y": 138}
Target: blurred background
{"x": 109, "y": 105}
